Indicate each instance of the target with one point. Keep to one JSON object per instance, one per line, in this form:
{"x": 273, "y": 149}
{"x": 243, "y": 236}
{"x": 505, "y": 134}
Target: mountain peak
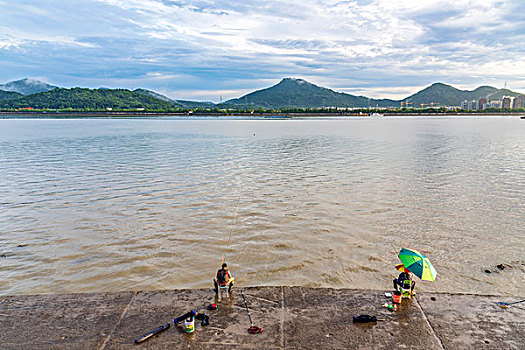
{"x": 294, "y": 81}
{"x": 439, "y": 84}
{"x": 27, "y": 86}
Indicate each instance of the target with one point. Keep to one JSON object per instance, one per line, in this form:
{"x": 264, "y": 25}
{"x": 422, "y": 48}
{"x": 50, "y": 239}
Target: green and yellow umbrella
{"x": 418, "y": 264}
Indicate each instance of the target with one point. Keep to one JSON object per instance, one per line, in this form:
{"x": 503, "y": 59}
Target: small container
{"x": 397, "y": 297}
{"x": 189, "y": 325}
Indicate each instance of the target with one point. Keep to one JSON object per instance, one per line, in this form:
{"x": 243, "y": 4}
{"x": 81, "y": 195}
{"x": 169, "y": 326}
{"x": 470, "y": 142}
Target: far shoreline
{"x": 275, "y": 115}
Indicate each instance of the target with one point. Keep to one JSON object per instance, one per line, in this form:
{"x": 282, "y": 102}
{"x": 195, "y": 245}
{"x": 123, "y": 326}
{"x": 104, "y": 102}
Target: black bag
{"x": 365, "y": 319}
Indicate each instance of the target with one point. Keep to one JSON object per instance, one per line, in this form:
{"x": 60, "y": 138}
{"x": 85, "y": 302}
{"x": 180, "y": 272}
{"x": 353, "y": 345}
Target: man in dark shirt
{"x": 224, "y": 278}
{"x": 404, "y": 281}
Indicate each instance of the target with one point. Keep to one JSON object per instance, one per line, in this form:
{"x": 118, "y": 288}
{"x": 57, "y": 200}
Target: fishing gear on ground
{"x": 154, "y": 332}
{"x": 504, "y": 305}
{"x": 188, "y": 325}
{"x": 253, "y": 329}
{"x": 205, "y": 319}
{"x": 366, "y": 319}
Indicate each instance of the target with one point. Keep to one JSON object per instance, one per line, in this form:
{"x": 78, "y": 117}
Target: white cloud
{"x": 192, "y": 44}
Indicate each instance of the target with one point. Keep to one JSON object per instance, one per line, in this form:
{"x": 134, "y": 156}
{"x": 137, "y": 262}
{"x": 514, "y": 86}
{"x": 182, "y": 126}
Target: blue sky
{"x": 205, "y": 50}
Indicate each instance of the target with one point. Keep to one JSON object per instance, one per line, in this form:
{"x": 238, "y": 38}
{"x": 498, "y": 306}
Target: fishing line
{"x": 241, "y": 187}
{"x": 231, "y": 228}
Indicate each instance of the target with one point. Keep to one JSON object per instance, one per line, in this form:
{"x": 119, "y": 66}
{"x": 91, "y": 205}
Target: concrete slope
{"x": 292, "y": 318}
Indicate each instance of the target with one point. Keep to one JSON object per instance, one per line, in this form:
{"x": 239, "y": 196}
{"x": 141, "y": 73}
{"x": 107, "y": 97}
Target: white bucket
{"x": 189, "y": 325}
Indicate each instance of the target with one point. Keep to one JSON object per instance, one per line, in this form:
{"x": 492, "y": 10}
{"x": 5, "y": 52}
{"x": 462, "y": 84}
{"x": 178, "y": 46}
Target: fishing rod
{"x": 253, "y": 329}
{"x": 504, "y": 305}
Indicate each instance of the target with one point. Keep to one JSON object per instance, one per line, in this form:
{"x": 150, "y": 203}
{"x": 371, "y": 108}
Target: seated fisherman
{"x": 224, "y": 278}
{"x": 404, "y": 281}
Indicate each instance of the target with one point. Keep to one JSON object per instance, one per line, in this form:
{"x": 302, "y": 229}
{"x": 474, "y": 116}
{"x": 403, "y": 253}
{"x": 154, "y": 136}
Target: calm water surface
{"x": 90, "y": 205}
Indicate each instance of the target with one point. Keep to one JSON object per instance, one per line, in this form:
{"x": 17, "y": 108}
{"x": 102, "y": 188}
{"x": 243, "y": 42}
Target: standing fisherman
{"x": 224, "y": 278}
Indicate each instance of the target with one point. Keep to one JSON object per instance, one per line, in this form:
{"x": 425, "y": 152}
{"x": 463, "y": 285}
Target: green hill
{"x": 302, "y": 94}
{"x": 176, "y": 103}
{"x": 288, "y": 93}
{"x": 196, "y": 104}
{"x": 157, "y": 96}
{"x": 80, "y": 98}
{"x": 9, "y": 95}
{"x": 446, "y": 95}
{"x": 503, "y": 92}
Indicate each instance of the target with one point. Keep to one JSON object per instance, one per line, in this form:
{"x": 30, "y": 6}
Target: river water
{"x": 92, "y": 205}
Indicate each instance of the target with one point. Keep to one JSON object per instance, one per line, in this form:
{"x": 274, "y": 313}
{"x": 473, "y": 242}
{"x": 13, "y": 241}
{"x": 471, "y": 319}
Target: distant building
{"x": 506, "y": 102}
{"x": 469, "y": 105}
{"x": 482, "y": 104}
{"x": 519, "y": 102}
{"x": 494, "y": 104}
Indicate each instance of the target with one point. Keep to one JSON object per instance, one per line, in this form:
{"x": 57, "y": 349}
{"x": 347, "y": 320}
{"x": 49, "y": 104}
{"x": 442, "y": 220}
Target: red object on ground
{"x": 397, "y": 297}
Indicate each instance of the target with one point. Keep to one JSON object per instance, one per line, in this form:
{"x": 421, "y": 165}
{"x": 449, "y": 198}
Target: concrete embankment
{"x": 292, "y": 318}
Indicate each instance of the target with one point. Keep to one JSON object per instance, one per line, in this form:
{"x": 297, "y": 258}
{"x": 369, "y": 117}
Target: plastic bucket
{"x": 397, "y": 297}
{"x": 189, "y": 325}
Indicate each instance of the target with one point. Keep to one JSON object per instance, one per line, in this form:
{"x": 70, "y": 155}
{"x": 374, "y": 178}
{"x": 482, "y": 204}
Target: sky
{"x": 218, "y": 50}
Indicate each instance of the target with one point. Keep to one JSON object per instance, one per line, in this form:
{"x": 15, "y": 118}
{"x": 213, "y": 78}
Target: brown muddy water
{"x": 92, "y": 205}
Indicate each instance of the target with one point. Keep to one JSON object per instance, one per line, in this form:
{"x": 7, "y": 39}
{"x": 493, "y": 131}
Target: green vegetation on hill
{"x": 503, "y": 92}
{"x": 9, "y": 95}
{"x": 291, "y": 93}
{"x": 446, "y": 95}
{"x": 176, "y": 103}
{"x": 87, "y": 99}
{"x": 157, "y": 96}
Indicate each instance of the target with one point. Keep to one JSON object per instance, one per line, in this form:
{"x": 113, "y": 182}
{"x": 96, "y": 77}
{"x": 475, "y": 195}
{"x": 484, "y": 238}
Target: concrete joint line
{"x": 282, "y": 317}
{"x": 429, "y": 324}
{"x": 103, "y": 346}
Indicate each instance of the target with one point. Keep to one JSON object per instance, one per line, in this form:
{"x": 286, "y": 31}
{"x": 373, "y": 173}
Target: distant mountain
{"x": 155, "y": 95}
{"x": 288, "y": 93}
{"x": 9, "y": 95}
{"x": 176, "y": 103}
{"x": 503, "y": 92}
{"x": 446, "y": 95}
{"x": 196, "y": 104}
{"x": 26, "y": 86}
{"x": 300, "y": 93}
{"x": 80, "y": 98}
